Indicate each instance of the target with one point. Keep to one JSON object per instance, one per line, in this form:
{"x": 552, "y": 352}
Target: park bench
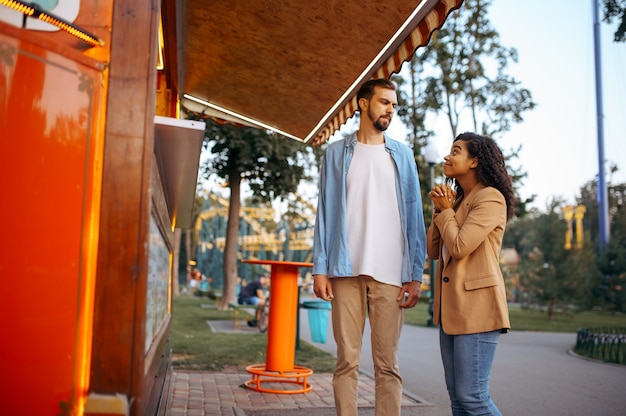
{"x": 204, "y": 290}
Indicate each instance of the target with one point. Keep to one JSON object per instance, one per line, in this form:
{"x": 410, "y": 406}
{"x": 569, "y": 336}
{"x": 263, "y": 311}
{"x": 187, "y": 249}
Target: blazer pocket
{"x": 482, "y": 283}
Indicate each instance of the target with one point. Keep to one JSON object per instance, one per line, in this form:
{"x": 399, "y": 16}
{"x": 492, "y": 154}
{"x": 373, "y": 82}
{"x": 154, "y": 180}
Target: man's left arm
{"x": 415, "y": 221}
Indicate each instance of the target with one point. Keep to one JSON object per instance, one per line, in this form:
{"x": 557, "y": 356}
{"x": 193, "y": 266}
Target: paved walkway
{"x": 534, "y": 374}
{"x": 220, "y": 394}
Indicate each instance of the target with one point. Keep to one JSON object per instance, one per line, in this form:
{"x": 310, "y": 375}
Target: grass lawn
{"x": 534, "y": 320}
{"x": 196, "y": 347}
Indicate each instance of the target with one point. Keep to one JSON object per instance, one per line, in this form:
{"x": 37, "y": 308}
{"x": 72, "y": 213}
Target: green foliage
{"x": 609, "y": 287}
{"x": 462, "y": 74}
{"x": 616, "y": 9}
{"x": 585, "y": 278}
{"x": 617, "y": 213}
{"x": 468, "y": 65}
{"x": 550, "y": 275}
{"x": 413, "y": 114}
{"x": 272, "y": 165}
{"x": 611, "y": 282}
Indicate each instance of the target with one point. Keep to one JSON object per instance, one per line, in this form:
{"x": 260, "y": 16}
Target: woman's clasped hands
{"x": 443, "y": 197}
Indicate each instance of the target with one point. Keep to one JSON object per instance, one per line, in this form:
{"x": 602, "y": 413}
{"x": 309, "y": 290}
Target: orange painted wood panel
{"x": 51, "y": 158}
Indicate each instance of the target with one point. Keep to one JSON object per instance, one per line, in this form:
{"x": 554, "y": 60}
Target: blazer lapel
{"x": 461, "y": 213}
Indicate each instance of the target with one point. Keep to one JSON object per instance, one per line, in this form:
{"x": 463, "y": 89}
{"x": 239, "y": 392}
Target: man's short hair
{"x": 367, "y": 90}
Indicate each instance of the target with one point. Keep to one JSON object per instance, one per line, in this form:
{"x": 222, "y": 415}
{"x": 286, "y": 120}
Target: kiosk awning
{"x": 292, "y": 66}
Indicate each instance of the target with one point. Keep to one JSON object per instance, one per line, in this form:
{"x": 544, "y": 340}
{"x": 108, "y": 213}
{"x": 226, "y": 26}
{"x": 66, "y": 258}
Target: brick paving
{"x": 224, "y": 394}
{"x": 193, "y": 393}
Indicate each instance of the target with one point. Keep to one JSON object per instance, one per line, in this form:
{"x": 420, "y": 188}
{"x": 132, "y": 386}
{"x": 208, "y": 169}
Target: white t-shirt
{"x": 375, "y": 239}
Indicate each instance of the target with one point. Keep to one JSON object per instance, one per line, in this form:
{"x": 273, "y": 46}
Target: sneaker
{"x": 252, "y": 323}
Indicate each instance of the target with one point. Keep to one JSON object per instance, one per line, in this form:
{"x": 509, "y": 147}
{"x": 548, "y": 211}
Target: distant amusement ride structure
{"x": 261, "y": 236}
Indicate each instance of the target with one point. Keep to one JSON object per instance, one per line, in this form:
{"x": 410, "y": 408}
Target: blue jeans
{"x": 252, "y": 300}
{"x": 467, "y": 361}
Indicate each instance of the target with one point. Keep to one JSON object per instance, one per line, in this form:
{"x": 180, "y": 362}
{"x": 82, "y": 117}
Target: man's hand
{"x": 322, "y": 287}
{"x": 409, "y": 294}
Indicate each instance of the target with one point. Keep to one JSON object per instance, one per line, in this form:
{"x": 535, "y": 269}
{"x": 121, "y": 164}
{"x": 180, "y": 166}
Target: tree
{"x": 584, "y": 276}
{"x": 185, "y": 243}
{"x": 616, "y": 9}
{"x": 609, "y": 288}
{"x": 616, "y": 200}
{"x": 271, "y": 164}
{"x": 462, "y": 75}
{"x": 470, "y": 74}
{"x": 414, "y": 115}
{"x": 550, "y": 275}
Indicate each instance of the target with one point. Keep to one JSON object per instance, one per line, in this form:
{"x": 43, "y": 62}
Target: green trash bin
{"x": 318, "y": 318}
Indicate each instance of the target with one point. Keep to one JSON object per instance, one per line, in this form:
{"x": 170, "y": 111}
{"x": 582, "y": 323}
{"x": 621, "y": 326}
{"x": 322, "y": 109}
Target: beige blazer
{"x": 470, "y": 296}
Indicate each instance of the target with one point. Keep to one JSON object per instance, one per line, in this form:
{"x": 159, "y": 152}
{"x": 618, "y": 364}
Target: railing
{"x": 606, "y": 344}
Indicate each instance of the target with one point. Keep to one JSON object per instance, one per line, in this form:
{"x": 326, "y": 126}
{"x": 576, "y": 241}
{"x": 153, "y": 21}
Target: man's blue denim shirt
{"x": 330, "y": 244}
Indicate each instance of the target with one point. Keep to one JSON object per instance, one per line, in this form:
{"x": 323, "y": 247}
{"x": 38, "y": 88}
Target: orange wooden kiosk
{"x": 279, "y": 366}
{"x": 98, "y": 174}
{"x": 93, "y": 187}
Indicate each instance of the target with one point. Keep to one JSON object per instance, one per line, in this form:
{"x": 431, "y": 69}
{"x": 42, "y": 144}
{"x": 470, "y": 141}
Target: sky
{"x": 555, "y": 43}
{"x": 559, "y": 138}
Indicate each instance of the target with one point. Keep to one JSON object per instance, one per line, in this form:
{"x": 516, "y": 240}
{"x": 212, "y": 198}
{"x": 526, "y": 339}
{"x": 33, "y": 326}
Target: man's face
{"x": 382, "y": 107}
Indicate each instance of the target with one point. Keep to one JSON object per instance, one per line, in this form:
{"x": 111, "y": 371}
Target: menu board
{"x": 159, "y": 270}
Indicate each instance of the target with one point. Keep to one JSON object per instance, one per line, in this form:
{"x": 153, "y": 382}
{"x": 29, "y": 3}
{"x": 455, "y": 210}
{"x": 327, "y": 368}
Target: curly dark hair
{"x": 491, "y": 169}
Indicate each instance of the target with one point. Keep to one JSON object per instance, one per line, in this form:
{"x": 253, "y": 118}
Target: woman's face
{"x": 459, "y": 162}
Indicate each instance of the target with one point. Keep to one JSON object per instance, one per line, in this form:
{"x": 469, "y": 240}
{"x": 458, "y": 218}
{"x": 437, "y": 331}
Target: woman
{"x": 470, "y": 215}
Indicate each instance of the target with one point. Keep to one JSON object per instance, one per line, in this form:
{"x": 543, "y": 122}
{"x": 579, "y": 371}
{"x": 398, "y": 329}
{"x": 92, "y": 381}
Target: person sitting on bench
{"x": 254, "y": 294}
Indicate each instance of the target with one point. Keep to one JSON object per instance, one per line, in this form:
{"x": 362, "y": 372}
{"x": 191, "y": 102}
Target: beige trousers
{"x": 356, "y": 298}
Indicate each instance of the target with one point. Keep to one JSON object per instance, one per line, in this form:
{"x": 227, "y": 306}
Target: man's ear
{"x": 363, "y": 103}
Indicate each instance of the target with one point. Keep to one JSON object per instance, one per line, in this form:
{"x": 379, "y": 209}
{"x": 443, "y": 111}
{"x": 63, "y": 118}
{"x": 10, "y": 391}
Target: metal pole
{"x": 603, "y": 217}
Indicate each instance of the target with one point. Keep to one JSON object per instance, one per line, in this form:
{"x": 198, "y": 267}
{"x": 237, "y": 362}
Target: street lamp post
{"x": 431, "y": 155}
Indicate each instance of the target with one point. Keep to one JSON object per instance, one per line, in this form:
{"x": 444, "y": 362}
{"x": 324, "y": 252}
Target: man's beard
{"x": 379, "y": 124}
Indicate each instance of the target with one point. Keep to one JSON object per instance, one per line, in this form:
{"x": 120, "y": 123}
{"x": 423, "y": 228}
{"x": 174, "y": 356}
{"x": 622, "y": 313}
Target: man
{"x": 254, "y": 294}
{"x": 369, "y": 247}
